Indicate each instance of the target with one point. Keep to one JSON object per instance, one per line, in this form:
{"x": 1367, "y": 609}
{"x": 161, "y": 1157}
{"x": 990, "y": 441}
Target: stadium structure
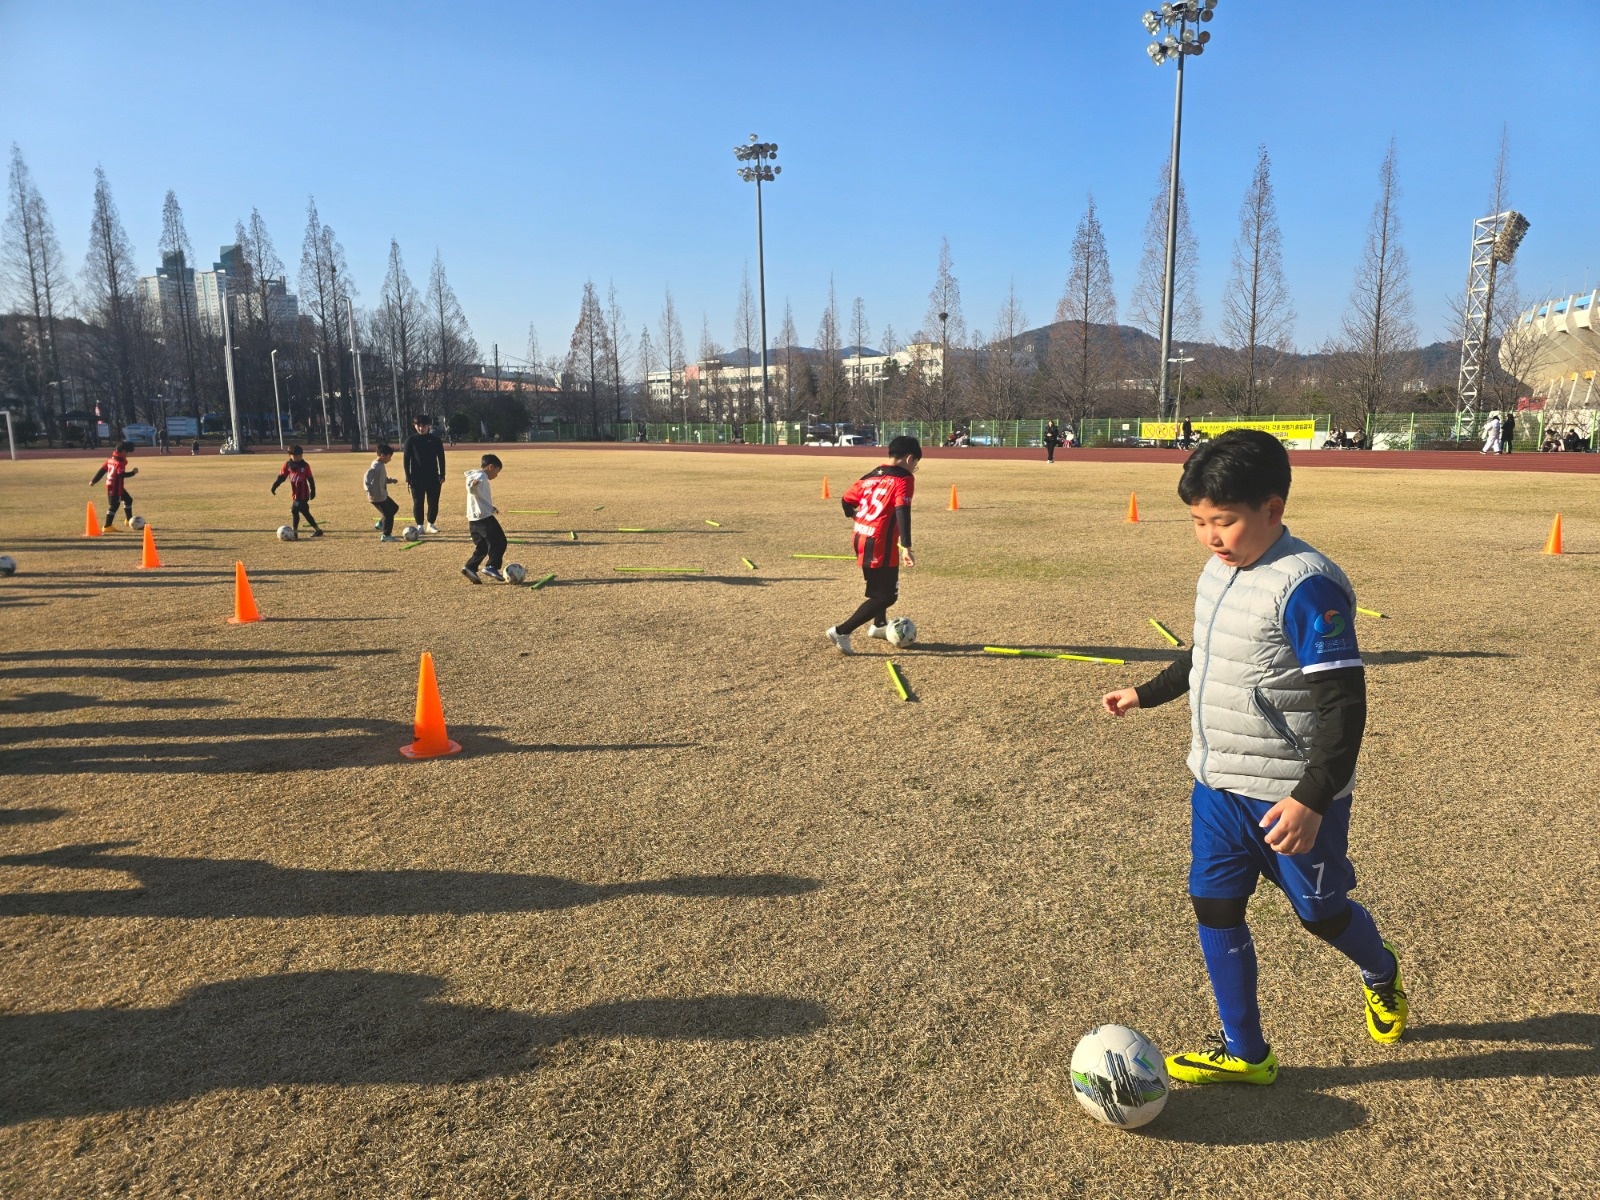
{"x": 1567, "y": 359}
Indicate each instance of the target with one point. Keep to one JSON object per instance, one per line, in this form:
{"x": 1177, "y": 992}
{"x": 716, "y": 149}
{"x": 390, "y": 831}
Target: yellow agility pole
{"x": 1165, "y": 632}
{"x": 899, "y": 683}
{"x": 1015, "y": 653}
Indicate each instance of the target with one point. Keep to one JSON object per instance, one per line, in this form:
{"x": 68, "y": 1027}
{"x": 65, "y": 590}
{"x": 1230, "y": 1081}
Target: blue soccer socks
{"x": 1230, "y": 956}
{"x": 1363, "y": 945}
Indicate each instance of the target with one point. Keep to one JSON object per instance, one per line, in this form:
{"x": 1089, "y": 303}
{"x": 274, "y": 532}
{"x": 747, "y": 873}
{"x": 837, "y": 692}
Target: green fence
{"x": 1445, "y": 431}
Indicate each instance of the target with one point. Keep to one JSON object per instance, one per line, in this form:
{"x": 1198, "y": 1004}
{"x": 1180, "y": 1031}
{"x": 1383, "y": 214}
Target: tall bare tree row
{"x": 1257, "y": 318}
{"x": 36, "y": 282}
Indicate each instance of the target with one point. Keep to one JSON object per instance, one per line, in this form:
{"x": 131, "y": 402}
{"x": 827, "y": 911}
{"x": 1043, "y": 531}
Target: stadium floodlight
{"x": 760, "y": 155}
{"x": 1181, "y": 40}
{"x": 1513, "y": 227}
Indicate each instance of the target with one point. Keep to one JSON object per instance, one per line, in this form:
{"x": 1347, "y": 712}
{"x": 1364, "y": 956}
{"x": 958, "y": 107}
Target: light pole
{"x": 322, "y": 387}
{"x": 1179, "y": 15}
{"x": 277, "y": 406}
{"x": 237, "y": 446}
{"x": 1177, "y": 404}
{"x": 759, "y": 155}
{"x": 944, "y": 366}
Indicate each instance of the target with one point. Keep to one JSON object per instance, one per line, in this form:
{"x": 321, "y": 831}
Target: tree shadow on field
{"x": 54, "y": 702}
{"x": 343, "y": 1028}
{"x": 135, "y": 665}
{"x": 30, "y": 816}
{"x": 975, "y": 650}
{"x": 1386, "y": 658}
{"x": 246, "y": 745}
{"x": 220, "y": 889}
{"x": 1297, "y": 1108}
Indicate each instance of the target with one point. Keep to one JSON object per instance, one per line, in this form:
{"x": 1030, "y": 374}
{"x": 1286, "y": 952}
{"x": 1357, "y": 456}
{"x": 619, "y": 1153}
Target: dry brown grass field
{"x": 704, "y": 909}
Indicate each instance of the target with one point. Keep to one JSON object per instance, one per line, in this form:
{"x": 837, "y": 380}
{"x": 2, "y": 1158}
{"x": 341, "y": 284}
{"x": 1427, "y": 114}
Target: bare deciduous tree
{"x": 672, "y": 355}
{"x": 399, "y": 326}
{"x": 1144, "y": 307}
{"x": 1257, "y": 318}
{"x": 326, "y": 291}
{"x": 1006, "y": 367}
{"x": 36, "y": 280}
{"x": 108, "y": 283}
{"x": 830, "y": 384}
{"x": 948, "y": 332}
{"x": 789, "y": 339}
{"x": 589, "y": 356}
{"x": 450, "y": 349}
{"x": 184, "y": 339}
{"x": 747, "y": 332}
{"x": 616, "y": 334}
{"x": 1083, "y": 350}
{"x": 1377, "y": 335}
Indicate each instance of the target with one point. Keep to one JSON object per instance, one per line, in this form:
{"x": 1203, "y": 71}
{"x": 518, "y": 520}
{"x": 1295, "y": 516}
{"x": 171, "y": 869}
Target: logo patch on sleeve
{"x": 1330, "y": 624}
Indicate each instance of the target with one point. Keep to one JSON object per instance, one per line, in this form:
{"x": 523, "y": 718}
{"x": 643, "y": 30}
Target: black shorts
{"x": 883, "y": 583}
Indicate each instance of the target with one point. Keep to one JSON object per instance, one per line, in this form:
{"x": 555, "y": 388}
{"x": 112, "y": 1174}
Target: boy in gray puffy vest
{"x": 1278, "y": 704}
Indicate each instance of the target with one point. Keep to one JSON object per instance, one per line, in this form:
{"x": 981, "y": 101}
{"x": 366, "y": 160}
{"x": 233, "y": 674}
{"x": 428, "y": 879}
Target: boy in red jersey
{"x": 116, "y": 470}
{"x": 880, "y": 505}
{"x": 301, "y": 486}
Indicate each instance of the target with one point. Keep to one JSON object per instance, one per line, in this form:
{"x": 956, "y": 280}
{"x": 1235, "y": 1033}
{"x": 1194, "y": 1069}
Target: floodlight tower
{"x": 1494, "y": 240}
{"x": 1181, "y": 19}
{"x": 759, "y": 155}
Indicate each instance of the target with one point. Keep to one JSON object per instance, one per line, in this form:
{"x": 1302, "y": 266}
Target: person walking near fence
{"x": 1491, "y": 435}
{"x": 1508, "y": 430}
{"x": 1052, "y": 439}
{"x": 423, "y": 461}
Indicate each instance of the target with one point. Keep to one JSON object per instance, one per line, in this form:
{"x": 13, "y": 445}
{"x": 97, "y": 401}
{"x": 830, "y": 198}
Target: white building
{"x": 206, "y": 291}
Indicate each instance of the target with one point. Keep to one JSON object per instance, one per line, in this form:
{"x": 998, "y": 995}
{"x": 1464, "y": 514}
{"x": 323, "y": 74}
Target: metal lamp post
{"x": 277, "y": 405}
{"x": 759, "y": 155}
{"x": 322, "y": 387}
{"x": 1177, "y": 404}
{"x": 1181, "y": 19}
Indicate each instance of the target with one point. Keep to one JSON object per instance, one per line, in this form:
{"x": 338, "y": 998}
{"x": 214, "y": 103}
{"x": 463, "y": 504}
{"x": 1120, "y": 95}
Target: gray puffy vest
{"x": 1250, "y": 707}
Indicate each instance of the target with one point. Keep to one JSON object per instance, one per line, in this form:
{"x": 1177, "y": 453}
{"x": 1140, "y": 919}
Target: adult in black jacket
{"x": 424, "y": 471}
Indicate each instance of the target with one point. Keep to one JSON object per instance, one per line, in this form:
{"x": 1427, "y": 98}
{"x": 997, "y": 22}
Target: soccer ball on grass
{"x": 8, "y": 565}
{"x": 286, "y": 533}
{"x": 516, "y": 572}
{"x": 1119, "y": 1076}
{"x": 136, "y": 523}
{"x": 411, "y": 533}
{"x": 902, "y": 632}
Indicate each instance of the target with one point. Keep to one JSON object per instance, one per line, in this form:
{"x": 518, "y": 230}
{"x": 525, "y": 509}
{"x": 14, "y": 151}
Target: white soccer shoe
{"x": 429, "y": 528}
{"x": 878, "y": 631}
{"x": 841, "y": 640}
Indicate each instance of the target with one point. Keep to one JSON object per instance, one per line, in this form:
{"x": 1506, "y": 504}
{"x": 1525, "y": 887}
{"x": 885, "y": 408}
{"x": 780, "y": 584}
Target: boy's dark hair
{"x": 1241, "y": 466}
{"x": 296, "y": 451}
{"x": 124, "y": 447}
{"x": 422, "y": 419}
{"x": 905, "y": 446}
{"x": 384, "y": 448}
{"x": 489, "y": 460}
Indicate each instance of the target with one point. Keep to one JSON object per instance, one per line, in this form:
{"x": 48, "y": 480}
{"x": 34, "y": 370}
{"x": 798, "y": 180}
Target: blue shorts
{"x": 1229, "y": 853}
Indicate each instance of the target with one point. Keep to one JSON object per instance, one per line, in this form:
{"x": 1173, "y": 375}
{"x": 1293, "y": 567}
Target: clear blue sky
{"x": 539, "y": 145}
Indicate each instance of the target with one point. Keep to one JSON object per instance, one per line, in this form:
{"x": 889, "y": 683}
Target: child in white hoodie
{"x": 488, "y": 539}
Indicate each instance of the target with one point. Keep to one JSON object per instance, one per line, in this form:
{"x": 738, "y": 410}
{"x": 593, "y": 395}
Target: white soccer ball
{"x": 411, "y": 533}
{"x": 286, "y": 533}
{"x": 902, "y": 632}
{"x": 516, "y": 572}
{"x": 8, "y": 565}
{"x": 136, "y": 523}
{"x": 1119, "y": 1076}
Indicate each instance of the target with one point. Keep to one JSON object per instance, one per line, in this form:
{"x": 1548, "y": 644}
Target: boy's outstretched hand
{"x": 1121, "y": 703}
{"x": 1291, "y": 827}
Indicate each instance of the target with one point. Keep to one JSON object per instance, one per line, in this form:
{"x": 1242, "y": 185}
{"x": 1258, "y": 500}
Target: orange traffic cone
{"x": 955, "y": 504}
{"x": 91, "y": 522}
{"x": 1133, "y": 508}
{"x": 1552, "y": 544}
{"x": 151, "y": 560}
{"x": 244, "y": 601}
{"x": 825, "y": 493}
{"x": 432, "y": 739}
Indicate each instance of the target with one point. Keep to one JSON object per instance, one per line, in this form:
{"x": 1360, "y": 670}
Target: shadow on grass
{"x": 30, "y": 816}
{"x": 1385, "y": 658}
{"x": 975, "y": 650}
{"x": 331, "y": 1027}
{"x": 243, "y": 745}
{"x": 53, "y": 702}
{"x": 217, "y": 889}
{"x": 135, "y": 665}
{"x": 1297, "y": 1108}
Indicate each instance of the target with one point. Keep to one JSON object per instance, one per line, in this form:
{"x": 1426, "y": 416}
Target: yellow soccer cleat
{"x": 1215, "y": 1064}
{"x": 1386, "y": 1005}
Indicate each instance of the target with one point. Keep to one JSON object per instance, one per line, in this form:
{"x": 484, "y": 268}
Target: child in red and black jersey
{"x": 880, "y": 505}
{"x": 301, "y": 486}
{"x": 116, "y": 470}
